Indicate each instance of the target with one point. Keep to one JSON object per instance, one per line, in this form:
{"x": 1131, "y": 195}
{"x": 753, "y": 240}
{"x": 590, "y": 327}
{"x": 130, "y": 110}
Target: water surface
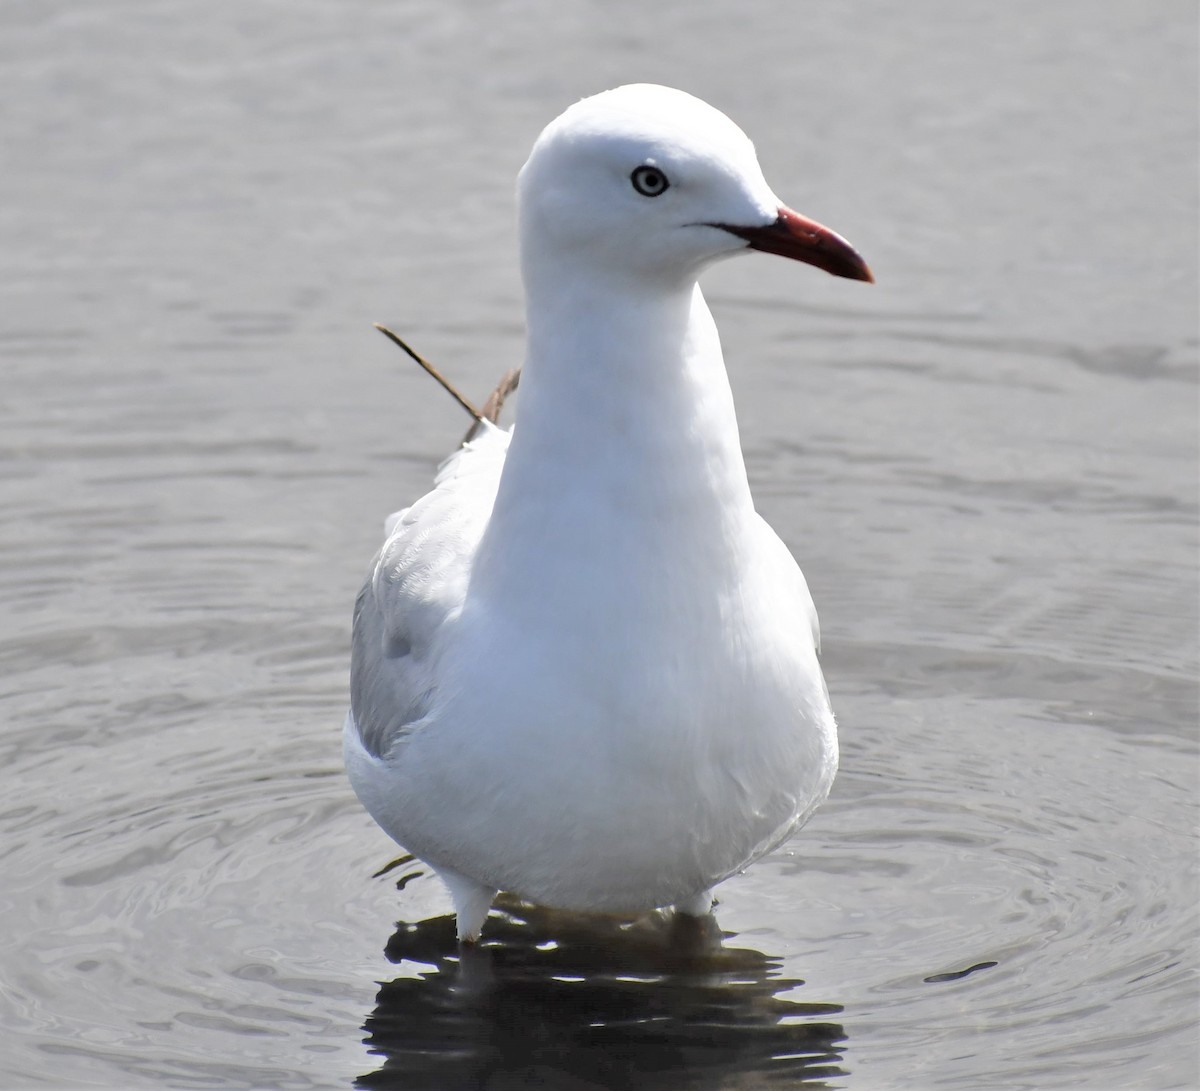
{"x": 987, "y": 464}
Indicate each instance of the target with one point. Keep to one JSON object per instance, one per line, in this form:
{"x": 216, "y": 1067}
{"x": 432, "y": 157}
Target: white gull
{"x": 584, "y": 668}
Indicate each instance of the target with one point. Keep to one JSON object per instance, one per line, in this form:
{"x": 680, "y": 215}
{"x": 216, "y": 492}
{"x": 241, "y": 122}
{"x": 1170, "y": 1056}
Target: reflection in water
{"x": 562, "y": 1000}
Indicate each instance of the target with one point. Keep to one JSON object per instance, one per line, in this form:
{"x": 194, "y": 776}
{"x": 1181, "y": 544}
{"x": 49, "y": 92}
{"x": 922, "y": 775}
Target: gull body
{"x": 584, "y": 669}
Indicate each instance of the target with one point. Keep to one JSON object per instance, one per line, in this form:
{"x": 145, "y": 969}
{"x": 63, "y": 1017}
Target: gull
{"x": 584, "y": 668}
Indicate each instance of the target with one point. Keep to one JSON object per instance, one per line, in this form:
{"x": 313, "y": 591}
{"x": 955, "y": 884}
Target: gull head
{"x": 646, "y": 181}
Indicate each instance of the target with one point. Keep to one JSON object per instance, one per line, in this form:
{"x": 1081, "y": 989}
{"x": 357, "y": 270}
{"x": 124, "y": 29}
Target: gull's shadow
{"x": 569, "y": 1001}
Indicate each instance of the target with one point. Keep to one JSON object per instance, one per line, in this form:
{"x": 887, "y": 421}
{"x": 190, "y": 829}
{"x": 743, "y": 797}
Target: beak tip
{"x": 846, "y": 263}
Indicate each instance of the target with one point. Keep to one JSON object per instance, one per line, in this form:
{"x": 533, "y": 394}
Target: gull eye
{"x": 649, "y": 181}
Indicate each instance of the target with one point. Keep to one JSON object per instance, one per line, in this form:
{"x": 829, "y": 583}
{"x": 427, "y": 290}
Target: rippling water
{"x": 987, "y": 464}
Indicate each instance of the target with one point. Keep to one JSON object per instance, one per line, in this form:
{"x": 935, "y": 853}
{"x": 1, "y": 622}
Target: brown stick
{"x": 445, "y": 383}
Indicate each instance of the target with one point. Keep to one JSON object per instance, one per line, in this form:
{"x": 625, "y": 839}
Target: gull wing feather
{"x": 415, "y": 589}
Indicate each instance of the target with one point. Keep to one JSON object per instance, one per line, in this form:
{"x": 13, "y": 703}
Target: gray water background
{"x": 986, "y": 463}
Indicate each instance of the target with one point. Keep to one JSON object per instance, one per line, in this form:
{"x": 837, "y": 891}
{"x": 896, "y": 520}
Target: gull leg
{"x": 472, "y": 901}
{"x": 698, "y": 905}
{"x": 694, "y": 929}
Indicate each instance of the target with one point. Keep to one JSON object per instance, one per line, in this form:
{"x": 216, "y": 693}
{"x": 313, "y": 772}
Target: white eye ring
{"x": 649, "y": 181}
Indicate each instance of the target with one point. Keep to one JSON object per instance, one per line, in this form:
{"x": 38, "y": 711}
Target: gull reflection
{"x": 569, "y": 1001}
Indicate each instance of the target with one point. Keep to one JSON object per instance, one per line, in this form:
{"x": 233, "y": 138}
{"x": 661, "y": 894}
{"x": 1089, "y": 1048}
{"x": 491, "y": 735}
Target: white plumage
{"x": 584, "y": 669}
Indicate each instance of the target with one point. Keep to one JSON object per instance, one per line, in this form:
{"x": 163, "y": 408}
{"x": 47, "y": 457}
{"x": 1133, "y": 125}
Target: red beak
{"x": 797, "y": 237}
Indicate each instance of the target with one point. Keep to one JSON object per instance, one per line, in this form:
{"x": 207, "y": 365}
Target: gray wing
{"x": 416, "y": 587}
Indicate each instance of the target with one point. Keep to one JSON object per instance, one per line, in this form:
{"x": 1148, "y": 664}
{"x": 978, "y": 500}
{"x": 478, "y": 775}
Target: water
{"x": 987, "y": 464}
